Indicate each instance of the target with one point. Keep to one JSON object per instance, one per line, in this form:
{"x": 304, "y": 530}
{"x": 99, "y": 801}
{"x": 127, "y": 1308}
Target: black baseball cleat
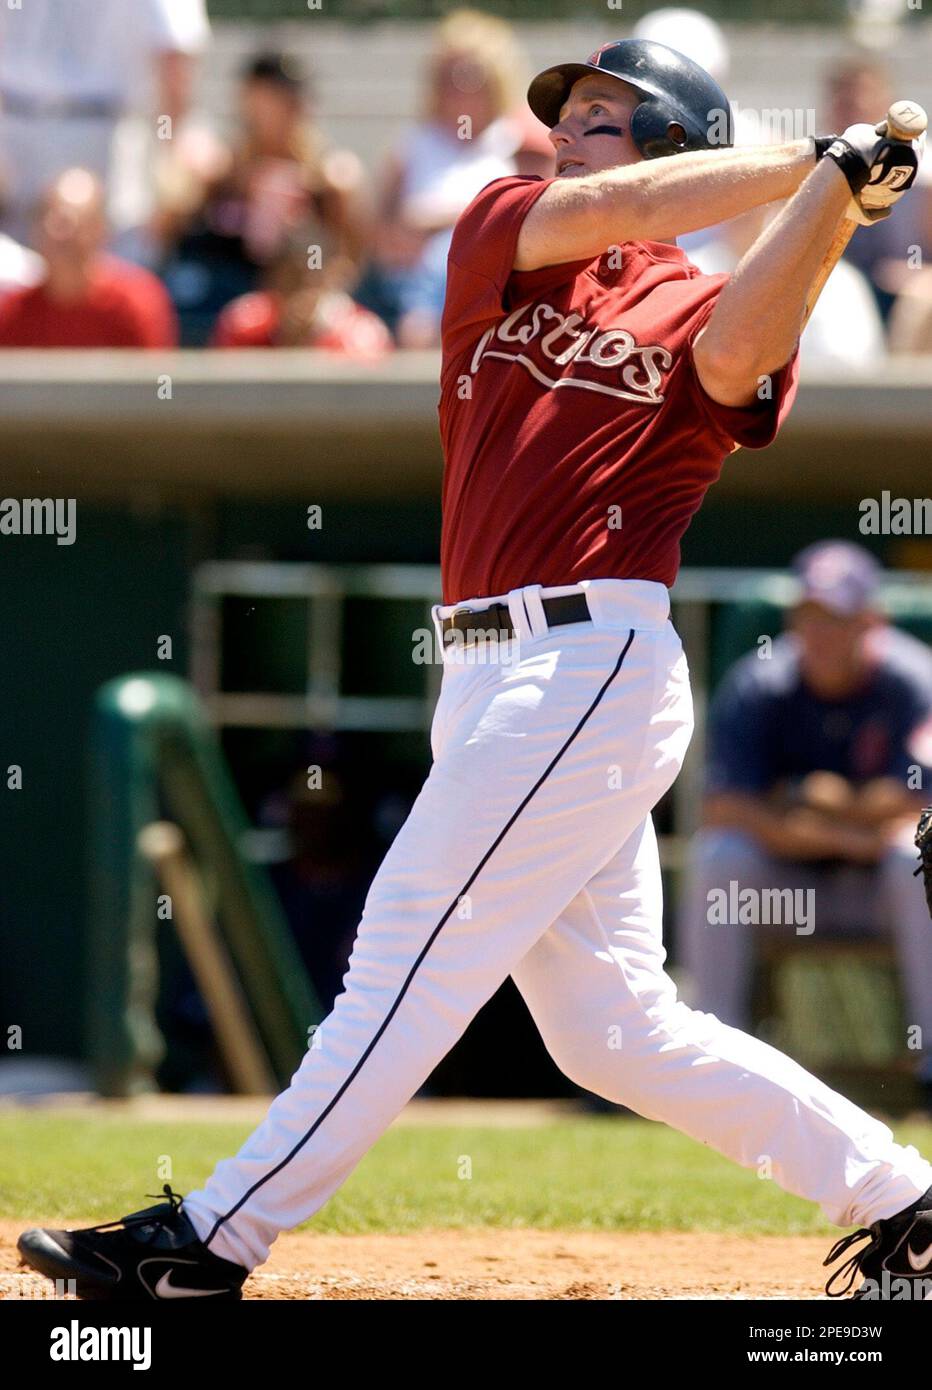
{"x": 154, "y": 1253}
{"x": 897, "y": 1264}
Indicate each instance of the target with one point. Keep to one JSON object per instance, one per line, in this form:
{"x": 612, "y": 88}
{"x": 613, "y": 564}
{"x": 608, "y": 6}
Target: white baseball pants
{"x": 530, "y": 851}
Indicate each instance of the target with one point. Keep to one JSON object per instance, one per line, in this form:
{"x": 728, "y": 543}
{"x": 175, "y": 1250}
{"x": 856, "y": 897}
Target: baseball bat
{"x": 162, "y": 843}
{"x": 905, "y": 120}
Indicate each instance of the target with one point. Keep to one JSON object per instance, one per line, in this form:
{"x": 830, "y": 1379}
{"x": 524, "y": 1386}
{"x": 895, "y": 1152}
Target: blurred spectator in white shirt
{"x": 70, "y": 71}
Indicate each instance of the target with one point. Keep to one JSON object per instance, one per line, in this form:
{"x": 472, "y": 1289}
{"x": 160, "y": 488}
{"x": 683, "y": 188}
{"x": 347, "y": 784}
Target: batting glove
{"x": 879, "y": 171}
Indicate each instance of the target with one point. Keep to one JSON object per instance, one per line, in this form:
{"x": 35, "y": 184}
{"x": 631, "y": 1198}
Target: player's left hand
{"x": 893, "y": 168}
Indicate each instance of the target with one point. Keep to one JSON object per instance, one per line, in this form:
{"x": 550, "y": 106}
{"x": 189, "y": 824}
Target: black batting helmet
{"x": 683, "y": 107}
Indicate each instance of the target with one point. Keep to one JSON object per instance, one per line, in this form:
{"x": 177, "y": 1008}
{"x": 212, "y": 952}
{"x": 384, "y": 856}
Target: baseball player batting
{"x": 592, "y": 383}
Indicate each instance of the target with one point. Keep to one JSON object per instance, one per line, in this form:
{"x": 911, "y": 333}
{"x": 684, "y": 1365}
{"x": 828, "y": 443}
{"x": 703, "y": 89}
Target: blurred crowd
{"x": 128, "y": 220}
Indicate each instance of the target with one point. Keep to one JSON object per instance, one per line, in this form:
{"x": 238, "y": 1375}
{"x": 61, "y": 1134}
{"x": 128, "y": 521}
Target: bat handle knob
{"x": 905, "y": 120}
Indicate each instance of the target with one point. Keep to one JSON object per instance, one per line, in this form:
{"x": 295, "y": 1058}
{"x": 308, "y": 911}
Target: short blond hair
{"x": 491, "y": 44}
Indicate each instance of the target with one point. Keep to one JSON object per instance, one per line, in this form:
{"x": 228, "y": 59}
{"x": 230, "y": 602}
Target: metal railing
{"x": 323, "y": 704}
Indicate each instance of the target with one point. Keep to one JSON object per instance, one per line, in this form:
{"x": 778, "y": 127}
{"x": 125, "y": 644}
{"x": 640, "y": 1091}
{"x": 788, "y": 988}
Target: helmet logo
{"x": 594, "y": 57}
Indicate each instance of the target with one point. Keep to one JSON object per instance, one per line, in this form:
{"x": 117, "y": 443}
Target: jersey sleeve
{"x": 752, "y": 426}
{"x": 481, "y": 256}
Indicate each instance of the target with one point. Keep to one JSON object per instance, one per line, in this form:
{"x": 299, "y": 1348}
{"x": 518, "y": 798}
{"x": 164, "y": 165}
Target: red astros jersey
{"x": 578, "y": 442}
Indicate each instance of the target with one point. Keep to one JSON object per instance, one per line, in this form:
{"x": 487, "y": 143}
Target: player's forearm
{"x": 658, "y": 199}
{"x": 758, "y": 317}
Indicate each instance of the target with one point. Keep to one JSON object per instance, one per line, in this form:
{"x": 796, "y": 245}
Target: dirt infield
{"x": 496, "y": 1264}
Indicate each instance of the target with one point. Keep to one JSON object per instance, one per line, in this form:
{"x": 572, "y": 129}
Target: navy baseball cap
{"x": 839, "y": 575}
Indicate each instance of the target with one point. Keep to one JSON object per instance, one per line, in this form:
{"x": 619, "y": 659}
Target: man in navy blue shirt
{"x": 820, "y": 756}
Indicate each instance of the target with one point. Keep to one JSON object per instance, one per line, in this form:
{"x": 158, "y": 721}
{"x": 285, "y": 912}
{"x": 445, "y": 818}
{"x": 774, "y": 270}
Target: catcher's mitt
{"x": 924, "y": 846}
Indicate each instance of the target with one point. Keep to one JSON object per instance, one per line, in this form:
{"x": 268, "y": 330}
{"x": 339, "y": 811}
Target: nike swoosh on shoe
{"x": 920, "y": 1260}
{"x": 166, "y": 1289}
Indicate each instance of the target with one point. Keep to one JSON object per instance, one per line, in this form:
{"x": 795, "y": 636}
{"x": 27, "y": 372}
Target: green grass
{"x": 583, "y": 1174}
